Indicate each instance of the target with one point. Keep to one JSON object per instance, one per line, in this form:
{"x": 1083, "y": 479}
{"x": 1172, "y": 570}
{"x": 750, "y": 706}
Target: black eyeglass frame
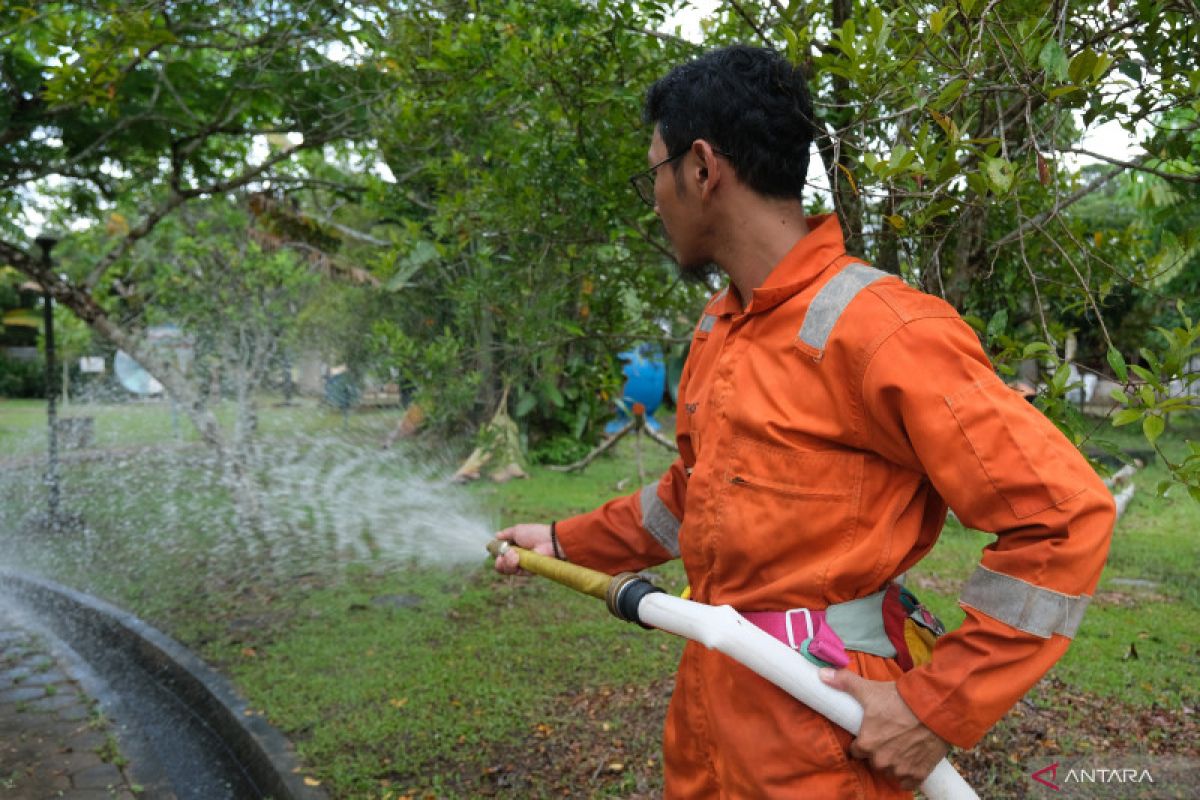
{"x": 643, "y": 182}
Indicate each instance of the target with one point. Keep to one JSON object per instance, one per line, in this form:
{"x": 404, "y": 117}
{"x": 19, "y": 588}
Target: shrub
{"x": 19, "y": 378}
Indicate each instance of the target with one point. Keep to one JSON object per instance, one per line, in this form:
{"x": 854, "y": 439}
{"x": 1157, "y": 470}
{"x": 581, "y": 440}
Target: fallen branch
{"x": 637, "y": 424}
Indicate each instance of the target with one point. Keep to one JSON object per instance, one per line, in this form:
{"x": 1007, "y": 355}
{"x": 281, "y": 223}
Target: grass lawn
{"x": 398, "y": 679}
{"x": 149, "y": 422}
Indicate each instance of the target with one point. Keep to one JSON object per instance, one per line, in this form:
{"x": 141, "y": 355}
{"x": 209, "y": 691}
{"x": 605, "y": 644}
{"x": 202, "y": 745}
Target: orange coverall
{"x": 814, "y": 471}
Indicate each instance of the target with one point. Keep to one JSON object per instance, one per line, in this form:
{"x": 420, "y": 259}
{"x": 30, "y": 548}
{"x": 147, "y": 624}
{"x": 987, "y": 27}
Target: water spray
{"x": 634, "y": 599}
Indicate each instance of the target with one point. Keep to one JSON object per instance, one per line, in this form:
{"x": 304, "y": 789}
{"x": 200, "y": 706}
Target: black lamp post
{"x": 47, "y": 241}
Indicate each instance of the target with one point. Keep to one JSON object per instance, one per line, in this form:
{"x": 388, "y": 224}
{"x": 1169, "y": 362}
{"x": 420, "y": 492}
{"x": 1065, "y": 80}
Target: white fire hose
{"x": 723, "y": 629}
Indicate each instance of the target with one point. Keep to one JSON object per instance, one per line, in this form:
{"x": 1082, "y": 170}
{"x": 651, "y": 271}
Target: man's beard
{"x": 705, "y": 272}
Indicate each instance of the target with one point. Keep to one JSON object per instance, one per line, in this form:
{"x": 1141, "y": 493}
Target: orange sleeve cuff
{"x": 610, "y": 538}
{"x": 978, "y": 673}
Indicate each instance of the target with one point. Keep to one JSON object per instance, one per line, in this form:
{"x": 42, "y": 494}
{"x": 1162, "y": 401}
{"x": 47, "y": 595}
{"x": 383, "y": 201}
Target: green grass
{"x": 147, "y": 422}
{"x": 420, "y": 695}
{"x": 391, "y": 677}
{"x": 373, "y": 691}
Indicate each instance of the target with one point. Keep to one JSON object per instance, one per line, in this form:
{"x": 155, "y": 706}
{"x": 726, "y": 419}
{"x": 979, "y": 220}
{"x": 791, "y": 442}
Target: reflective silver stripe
{"x": 658, "y": 520}
{"x": 707, "y": 322}
{"x": 832, "y": 300}
{"x": 1026, "y": 607}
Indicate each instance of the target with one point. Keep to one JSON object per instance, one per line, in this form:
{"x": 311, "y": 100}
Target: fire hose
{"x": 634, "y": 599}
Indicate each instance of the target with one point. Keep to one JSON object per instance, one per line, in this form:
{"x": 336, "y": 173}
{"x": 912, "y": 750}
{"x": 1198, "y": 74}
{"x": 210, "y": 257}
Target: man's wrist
{"x": 557, "y": 548}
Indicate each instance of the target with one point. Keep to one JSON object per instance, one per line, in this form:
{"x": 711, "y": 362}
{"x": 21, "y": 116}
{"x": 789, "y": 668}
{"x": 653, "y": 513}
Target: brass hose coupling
{"x": 624, "y": 595}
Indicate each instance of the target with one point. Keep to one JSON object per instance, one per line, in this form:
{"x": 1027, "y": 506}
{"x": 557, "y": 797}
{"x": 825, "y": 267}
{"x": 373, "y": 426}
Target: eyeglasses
{"x": 643, "y": 182}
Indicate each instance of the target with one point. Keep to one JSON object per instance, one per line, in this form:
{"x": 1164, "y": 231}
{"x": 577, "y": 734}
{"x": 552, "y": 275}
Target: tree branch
{"x": 177, "y": 199}
{"x": 16, "y": 257}
{"x": 1135, "y": 165}
{"x": 1070, "y": 200}
{"x": 351, "y": 233}
{"x": 666, "y": 37}
{"x": 753, "y": 25}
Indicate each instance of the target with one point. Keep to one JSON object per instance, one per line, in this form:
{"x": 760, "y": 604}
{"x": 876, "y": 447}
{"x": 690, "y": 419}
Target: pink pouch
{"x": 804, "y": 631}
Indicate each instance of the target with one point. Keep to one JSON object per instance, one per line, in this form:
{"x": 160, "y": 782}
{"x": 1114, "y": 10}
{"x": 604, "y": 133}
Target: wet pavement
{"x": 54, "y": 742}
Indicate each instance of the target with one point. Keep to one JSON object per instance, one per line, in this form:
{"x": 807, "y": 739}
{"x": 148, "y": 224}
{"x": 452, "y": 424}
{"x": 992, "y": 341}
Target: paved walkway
{"x": 53, "y": 743}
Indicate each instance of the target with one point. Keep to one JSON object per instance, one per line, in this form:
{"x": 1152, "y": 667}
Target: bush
{"x": 22, "y": 378}
{"x": 559, "y": 450}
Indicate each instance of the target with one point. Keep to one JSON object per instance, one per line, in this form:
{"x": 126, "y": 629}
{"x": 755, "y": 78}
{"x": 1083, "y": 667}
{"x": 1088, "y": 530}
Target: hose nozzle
{"x": 581, "y": 579}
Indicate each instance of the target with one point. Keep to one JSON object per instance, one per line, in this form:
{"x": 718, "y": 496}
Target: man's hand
{"x": 891, "y": 738}
{"x": 531, "y": 537}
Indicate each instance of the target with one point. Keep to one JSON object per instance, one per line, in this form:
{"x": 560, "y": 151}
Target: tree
{"x": 512, "y": 131}
{"x": 947, "y": 132}
{"x": 124, "y": 113}
{"x": 20, "y": 321}
{"x": 516, "y": 256}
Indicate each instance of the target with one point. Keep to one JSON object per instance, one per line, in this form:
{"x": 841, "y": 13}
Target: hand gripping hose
{"x": 721, "y": 628}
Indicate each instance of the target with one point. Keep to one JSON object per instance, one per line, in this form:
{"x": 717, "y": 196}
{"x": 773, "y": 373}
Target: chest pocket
{"x": 784, "y": 515}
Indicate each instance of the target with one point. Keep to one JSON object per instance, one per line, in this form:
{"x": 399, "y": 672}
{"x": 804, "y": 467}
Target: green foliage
{"x": 236, "y": 302}
{"x": 204, "y": 269}
{"x": 1165, "y": 387}
{"x": 563, "y": 424}
{"x": 431, "y": 368}
{"x": 523, "y": 239}
{"x": 116, "y": 115}
{"x": 480, "y": 151}
{"x": 19, "y": 378}
{"x": 559, "y": 450}
{"x": 948, "y": 139}
{"x": 122, "y": 100}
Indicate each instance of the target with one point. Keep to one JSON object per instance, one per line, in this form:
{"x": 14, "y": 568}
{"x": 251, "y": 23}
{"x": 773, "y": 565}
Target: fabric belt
{"x": 824, "y": 635}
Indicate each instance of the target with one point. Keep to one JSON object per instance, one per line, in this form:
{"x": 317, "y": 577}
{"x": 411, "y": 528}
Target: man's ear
{"x": 707, "y": 168}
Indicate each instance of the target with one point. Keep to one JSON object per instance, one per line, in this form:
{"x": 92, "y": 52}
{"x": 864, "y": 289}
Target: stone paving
{"x": 53, "y": 743}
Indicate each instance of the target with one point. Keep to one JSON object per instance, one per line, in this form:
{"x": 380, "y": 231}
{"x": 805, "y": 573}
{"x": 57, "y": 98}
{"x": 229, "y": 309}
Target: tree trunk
{"x": 835, "y": 154}
{"x": 485, "y": 359}
{"x": 177, "y": 385}
{"x": 969, "y": 256}
{"x": 887, "y": 257}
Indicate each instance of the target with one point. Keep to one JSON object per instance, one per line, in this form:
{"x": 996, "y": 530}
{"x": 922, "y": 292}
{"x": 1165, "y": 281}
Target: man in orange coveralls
{"x": 828, "y": 415}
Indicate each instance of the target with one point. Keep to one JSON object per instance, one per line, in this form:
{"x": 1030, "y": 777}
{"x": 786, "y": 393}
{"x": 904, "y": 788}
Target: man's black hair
{"x": 749, "y": 102}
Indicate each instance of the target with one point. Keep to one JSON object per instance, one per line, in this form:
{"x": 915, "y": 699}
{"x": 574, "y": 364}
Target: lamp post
{"x": 46, "y": 242}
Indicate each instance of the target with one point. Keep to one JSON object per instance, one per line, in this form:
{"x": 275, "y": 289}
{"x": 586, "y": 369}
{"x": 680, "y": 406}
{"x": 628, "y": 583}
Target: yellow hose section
{"x": 581, "y": 579}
